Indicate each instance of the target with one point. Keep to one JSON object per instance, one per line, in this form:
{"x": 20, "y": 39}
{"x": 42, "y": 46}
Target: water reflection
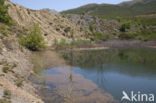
{"x": 117, "y": 70}
{"x": 135, "y": 62}
{"x": 99, "y": 76}
{"x": 68, "y": 87}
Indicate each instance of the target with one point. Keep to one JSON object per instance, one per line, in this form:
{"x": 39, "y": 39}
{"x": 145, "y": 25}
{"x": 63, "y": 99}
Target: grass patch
{"x": 62, "y": 43}
{"x": 127, "y": 36}
{"x": 80, "y": 42}
{"x": 100, "y": 36}
{"x": 76, "y": 43}
{"x": 146, "y": 35}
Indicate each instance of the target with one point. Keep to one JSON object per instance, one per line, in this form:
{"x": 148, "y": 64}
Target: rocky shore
{"x": 15, "y": 68}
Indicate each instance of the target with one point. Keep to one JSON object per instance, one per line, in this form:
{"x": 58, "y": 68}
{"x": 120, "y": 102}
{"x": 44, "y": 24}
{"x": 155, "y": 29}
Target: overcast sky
{"x": 60, "y": 5}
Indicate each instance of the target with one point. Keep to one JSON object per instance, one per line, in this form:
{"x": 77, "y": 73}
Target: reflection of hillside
{"x": 129, "y": 61}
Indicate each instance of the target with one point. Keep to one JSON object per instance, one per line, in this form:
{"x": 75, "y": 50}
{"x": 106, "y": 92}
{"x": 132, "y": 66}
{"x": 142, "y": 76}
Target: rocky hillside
{"x": 138, "y": 27}
{"x": 54, "y": 27}
{"x": 129, "y": 20}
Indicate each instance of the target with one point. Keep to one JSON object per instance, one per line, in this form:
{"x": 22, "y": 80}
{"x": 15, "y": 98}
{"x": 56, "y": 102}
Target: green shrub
{"x": 67, "y": 29}
{"x": 62, "y": 42}
{"x": 19, "y": 83}
{"x": 91, "y": 28}
{"x": 124, "y": 27}
{"x": 50, "y": 23}
{"x": 5, "y": 69}
{"x": 81, "y": 29}
{"x": 127, "y": 36}
{"x": 34, "y": 40}
{"x": 7, "y": 94}
{"x": 6, "y": 97}
{"x": 4, "y": 30}
{"x": 100, "y": 35}
{"x": 146, "y": 35}
{"x": 4, "y": 16}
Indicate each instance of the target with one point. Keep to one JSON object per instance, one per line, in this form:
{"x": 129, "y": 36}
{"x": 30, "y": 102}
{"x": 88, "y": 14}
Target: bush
{"x": 4, "y": 30}
{"x": 100, "y": 35}
{"x": 146, "y": 35}
{"x": 34, "y": 40}
{"x": 6, "y": 97}
{"x": 62, "y": 42}
{"x": 4, "y": 16}
{"x": 67, "y": 29}
{"x": 127, "y": 36}
{"x": 124, "y": 27}
{"x": 5, "y": 69}
{"x": 7, "y": 94}
{"x": 19, "y": 83}
{"x": 91, "y": 28}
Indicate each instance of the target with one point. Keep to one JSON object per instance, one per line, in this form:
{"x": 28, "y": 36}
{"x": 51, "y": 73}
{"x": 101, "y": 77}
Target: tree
{"x": 124, "y": 27}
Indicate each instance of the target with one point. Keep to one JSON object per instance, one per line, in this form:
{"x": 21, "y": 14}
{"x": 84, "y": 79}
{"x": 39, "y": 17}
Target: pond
{"x": 100, "y": 76}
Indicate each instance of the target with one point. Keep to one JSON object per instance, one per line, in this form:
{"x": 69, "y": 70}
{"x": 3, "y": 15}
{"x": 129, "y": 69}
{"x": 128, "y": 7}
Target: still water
{"x": 100, "y": 76}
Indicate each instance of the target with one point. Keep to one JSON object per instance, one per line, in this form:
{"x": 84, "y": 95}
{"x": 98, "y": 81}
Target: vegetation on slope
{"x": 4, "y": 16}
{"x": 129, "y": 20}
{"x": 106, "y": 10}
{"x": 145, "y": 25}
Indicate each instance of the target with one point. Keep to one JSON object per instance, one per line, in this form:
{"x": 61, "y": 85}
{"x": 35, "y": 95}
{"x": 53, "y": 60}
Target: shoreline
{"x": 110, "y": 44}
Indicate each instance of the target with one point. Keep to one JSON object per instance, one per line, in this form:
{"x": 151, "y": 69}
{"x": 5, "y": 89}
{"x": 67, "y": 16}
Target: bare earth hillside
{"x": 53, "y": 25}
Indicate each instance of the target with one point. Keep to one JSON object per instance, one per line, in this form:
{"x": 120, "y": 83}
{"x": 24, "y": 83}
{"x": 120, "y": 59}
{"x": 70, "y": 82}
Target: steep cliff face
{"x": 52, "y": 24}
